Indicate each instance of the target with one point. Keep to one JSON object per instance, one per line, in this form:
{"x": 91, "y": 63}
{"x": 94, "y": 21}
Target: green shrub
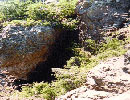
{"x": 112, "y": 47}
{"x": 57, "y": 15}
{"x": 91, "y": 46}
{"x": 111, "y": 44}
{"x": 43, "y": 90}
{"x": 28, "y": 22}
{"x": 15, "y": 11}
{"x": 60, "y": 14}
{"x": 74, "y": 61}
{"x": 74, "y": 73}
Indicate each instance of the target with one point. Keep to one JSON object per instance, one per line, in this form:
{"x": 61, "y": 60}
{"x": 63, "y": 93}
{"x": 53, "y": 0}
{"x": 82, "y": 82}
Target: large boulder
{"x": 99, "y": 16}
{"x": 22, "y": 48}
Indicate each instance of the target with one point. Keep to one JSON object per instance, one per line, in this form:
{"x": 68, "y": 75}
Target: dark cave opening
{"x": 60, "y": 53}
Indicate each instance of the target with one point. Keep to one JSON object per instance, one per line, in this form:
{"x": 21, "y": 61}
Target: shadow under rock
{"x": 59, "y": 54}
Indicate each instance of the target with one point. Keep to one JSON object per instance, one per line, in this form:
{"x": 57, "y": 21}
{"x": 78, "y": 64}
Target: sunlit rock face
{"x": 101, "y": 15}
{"x": 22, "y": 48}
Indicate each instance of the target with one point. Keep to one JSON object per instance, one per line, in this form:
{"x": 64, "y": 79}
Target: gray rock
{"x": 100, "y": 16}
{"x": 22, "y": 48}
{"x": 127, "y": 58}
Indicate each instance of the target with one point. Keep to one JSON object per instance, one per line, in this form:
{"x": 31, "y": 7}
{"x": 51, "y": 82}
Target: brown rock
{"x": 22, "y": 48}
{"x": 110, "y": 80}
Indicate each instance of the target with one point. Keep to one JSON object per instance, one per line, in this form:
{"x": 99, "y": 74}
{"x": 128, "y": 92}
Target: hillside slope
{"x": 106, "y": 81}
{"x": 109, "y": 80}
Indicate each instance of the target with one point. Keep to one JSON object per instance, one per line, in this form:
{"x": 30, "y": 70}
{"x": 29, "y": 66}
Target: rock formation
{"x": 107, "y": 81}
{"x": 99, "y": 16}
{"x": 22, "y": 48}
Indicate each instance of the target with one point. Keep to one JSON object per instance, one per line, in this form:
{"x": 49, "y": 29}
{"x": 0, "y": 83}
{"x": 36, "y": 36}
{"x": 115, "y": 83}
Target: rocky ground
{"x": 110, "y": 80}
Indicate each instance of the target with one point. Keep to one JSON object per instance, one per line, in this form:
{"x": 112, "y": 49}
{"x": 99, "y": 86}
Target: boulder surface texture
{"x": 109, "y": 80}
{"x": 99, "y": 16}
{"x": 22, "y": 48}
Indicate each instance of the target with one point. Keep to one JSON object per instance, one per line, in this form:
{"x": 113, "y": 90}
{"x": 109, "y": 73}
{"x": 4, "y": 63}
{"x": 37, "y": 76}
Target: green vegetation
{"x": 60, "y": 15}
{"x": 29, "y": 14}
{"x": 74, "y": 73}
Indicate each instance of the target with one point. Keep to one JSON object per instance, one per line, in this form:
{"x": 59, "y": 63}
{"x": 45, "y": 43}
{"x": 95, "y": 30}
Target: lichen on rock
{"x": 98, "y": 16}
{"x": 22, "y": 48}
